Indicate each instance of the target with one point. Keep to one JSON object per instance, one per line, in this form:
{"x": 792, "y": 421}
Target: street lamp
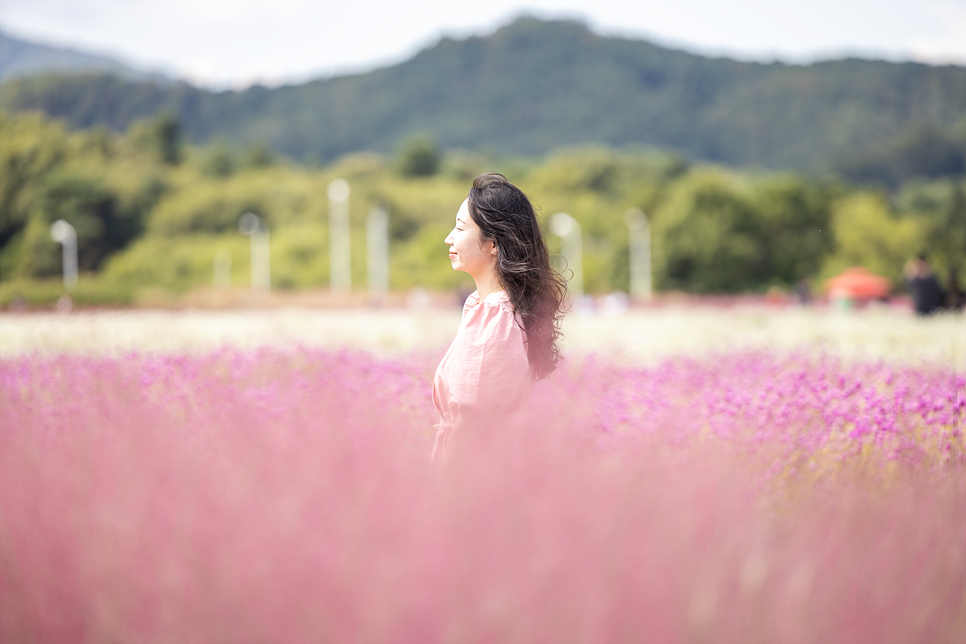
{"x": 221, "y": 265}
{"x": 64, "y": 234}
{"x": 640, "y": 253}
{"x": 567, "y": 228}
{"x": 257, "y": 230}
{"x": 339, "y": 258}
{"x": 377, "y": 251}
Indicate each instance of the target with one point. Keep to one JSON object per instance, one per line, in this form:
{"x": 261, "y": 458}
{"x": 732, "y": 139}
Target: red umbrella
{"x": 858, "y": 283}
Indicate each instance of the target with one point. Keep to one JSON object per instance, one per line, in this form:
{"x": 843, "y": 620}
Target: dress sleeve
{"x": 494, "y": 365}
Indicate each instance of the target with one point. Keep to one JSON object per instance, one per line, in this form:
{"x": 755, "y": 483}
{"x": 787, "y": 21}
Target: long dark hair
{"x": 537, "y": 292}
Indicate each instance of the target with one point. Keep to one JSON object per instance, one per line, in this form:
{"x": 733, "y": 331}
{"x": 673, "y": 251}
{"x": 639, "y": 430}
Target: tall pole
{"x": 640, "y": 254}
{"x": 64, "y": 234}
{"x": 377, "y": 251}
{"x": 567, "y": 228}
{"x": 257, "y": 230}
{"x": 222, "y": 269}
{"x": 340, "y": 268}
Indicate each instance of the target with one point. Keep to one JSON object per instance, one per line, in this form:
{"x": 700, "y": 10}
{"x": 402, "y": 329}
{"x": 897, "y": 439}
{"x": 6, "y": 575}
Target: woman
{"x": 511, "y": 324}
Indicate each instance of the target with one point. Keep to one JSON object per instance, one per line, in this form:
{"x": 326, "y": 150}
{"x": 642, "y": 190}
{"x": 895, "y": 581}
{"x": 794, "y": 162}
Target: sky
{"x": 235, "y": 43}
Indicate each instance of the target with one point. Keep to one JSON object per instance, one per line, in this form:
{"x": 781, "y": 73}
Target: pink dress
{"x": 486, "y": 367}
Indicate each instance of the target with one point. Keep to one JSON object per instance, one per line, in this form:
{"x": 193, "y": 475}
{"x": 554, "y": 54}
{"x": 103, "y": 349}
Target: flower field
{"x": 284, "y": 494}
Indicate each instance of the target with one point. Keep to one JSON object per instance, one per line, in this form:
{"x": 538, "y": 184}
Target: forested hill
{"x": 533, "y": 86}
{"x": 22, "y": 58}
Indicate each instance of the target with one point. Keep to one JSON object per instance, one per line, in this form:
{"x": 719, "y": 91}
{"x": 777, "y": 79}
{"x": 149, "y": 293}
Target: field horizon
{"x": 636, "y": 335}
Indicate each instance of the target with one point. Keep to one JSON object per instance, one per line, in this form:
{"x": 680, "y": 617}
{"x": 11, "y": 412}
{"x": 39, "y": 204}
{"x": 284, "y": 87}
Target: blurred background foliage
{"x": 152, "y": 210}
{"x": 753, "y": 175}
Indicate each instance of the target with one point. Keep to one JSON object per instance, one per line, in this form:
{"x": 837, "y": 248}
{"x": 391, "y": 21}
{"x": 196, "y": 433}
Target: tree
{"x": 258, "y": 156}
{"x": 91, "y": 207}
{"x": 796, "y": 228}
{"x": 921, "y": 151}
{"x": 947, "y": 234}
{"x": 160, "y": 137}
{"x": 867, "y": 234}
{"x": 30, "y": 147}
{"x": 218, "y": 161}
{"x": 708, "y": 237}
{"x": 419, "y": 157}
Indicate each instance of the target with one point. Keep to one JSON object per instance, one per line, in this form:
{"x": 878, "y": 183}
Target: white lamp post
{"x": 640, "y": 253}
{"x": 64, "y": 234}
{"x": 222, "y": 269}
{"x": 567, "y": 228}
{"x": 339, "y": 258}
{"x": 257, "y": 230}
{"x": 377, "y": 251}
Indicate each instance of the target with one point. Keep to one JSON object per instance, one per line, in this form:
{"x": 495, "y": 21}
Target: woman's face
{"x": 466, "y": 253}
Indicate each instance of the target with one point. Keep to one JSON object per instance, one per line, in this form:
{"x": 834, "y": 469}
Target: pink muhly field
{"x": 287, "y": 496}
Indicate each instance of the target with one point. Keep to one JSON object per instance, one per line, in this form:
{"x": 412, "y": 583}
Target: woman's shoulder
{"x": 496, "y": 309}
{"x": 471, "y": 302}
{"x": 497, "y": 300}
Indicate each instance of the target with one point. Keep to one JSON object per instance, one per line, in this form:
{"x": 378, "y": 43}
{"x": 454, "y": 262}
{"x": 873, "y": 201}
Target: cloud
{"x": 233, "y": 43}
{"x": 949, "y": 45}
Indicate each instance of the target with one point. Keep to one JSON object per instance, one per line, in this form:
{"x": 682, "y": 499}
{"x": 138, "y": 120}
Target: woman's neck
{"x": 488, "y": 283}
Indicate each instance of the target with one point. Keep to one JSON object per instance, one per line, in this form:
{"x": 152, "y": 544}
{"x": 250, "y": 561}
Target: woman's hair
{"x": 504, "y": 215}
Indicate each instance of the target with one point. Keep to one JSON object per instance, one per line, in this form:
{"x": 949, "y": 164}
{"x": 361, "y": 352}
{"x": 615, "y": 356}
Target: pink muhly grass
{"x": 287, "y": 497}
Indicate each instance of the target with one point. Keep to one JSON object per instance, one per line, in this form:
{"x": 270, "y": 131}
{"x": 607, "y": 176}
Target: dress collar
{"x": 495, "y": 296}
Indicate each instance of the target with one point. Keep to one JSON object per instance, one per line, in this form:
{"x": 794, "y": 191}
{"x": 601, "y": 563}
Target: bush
{"x": 91, "y": 290}
{"x": 178, "y": 263}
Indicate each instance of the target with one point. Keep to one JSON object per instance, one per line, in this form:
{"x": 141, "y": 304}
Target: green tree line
{"x": 151, "y": 212}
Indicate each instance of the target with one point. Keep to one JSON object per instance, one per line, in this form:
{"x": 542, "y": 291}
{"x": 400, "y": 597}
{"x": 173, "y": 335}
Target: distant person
{"x": 955, "y": 297}
{"x": 511, "y": 324}
{"x": 927, "y": 296}
{"x": 802, "y": 292}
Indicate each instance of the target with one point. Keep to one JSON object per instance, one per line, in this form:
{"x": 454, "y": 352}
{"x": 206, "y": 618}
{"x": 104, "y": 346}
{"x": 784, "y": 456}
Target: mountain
{"x": 536, "y": 85}
{"x": 21, "y": 58}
